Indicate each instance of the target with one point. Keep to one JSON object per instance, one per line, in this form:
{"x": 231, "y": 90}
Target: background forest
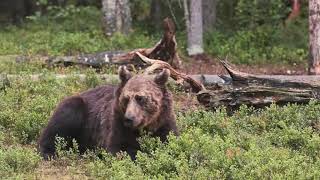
{"x": 248, "y": 32}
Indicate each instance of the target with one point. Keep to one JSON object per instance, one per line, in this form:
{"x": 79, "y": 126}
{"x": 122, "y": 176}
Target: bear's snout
{"x": 130, "y": 120}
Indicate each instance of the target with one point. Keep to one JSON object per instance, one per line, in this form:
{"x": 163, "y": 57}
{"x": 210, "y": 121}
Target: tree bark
{"x": 314, "y": 37}
{"x": 194, "y": 26}
{"x": 209, "y": 14}
{"x": 116, "y": 16}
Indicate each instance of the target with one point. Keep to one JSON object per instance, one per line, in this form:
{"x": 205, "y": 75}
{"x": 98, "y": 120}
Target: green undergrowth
{"x": 39, "y": 40}
{"x": 262, "y": 45}
{"x": 275, "y": 142}
{"x": 67, "y": 32}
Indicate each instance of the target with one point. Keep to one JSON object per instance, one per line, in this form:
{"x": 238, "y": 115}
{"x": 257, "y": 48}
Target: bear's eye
{"x": 141, "y": 100}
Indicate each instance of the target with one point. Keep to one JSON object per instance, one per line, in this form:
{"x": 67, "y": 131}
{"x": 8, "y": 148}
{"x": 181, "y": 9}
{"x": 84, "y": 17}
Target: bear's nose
{"x": 128, "y": 122}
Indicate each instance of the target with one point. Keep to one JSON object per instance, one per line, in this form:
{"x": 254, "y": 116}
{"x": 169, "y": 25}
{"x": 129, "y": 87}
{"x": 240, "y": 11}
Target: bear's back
{"x": 99, "y": 101}
{"x": 95, "y": 94}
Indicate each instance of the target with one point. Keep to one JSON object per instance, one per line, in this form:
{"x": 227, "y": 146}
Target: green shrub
{"x": 120, "y": 167}
{"x": 17, "y": 160}
{"x": 26, "y": 106}
{"x": 66, "y": 151}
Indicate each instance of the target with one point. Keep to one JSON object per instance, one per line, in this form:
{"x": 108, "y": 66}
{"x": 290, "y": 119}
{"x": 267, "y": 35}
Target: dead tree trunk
{"x": 194, "y": 26}
{"x": 251, "y": 90}
{"x": 314, "y": 37}
{"x": 116, "y": 16}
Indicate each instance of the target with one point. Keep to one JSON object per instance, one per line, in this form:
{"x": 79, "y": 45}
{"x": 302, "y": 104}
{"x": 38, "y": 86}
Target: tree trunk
{"x": 209, "y": 14}
{"x": 116, "y": 16}
{"x": 194, "y": 26}
{"x": 314, "y": 37}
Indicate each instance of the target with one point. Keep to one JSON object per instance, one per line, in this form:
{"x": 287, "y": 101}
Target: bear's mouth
{"x": 131, "y": 124}
{"x": 128, "y": 123}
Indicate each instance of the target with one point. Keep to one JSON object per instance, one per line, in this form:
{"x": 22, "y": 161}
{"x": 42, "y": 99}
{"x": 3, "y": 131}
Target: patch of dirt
{"x": 185, "y": 102}
{"x": 203, "y": 64}
{"x": 50, "y": 170}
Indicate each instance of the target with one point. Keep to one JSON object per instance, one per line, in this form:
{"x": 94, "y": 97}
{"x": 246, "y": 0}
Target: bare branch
{"x": 177, "y": 76}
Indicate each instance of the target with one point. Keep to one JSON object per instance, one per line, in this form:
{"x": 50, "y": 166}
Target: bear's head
{"x": 142, "y": 99}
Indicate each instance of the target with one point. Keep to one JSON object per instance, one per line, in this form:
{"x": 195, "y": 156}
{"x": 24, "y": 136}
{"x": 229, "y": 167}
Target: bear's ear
{"x": 162, "y": 77}
{"x": 124, "y": 74}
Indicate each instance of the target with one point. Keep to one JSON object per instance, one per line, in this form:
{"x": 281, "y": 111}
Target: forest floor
{"x": 209, "y": 65}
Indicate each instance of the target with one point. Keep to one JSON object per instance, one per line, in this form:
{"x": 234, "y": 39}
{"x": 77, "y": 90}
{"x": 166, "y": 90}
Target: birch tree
{"x": 116, "y": 16}
{"x": 314, "y": 37}
{"x": 194, "y": 26}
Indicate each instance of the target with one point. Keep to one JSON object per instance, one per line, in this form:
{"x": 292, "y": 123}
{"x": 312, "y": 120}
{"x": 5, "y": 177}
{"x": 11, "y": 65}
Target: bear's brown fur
{"x": 111, "y": 117}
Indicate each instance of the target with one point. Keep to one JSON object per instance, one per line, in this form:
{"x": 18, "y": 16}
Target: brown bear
{"x": 112, "y": 117}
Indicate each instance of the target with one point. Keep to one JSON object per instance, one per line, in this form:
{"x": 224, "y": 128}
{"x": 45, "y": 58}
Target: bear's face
{"x": 141, "y": 99}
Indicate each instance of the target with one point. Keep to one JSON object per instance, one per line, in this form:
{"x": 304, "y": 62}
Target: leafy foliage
{"x": 260, "y": 12}
{"x": 17, "y": 160}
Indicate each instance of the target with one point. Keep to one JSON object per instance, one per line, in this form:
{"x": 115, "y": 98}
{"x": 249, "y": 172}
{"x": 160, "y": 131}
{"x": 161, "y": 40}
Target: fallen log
{"x": 165, "y": 49}
{"x": 259, "y": 91}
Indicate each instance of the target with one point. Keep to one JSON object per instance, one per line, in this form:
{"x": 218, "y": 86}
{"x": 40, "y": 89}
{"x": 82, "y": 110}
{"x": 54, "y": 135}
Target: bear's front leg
{"x": 115, "y": 147}
{"x": 67, "y": 122}
{"x": 132, "y": 151}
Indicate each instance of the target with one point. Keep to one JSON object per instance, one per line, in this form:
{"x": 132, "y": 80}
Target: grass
{"x": 275, "y": 142}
